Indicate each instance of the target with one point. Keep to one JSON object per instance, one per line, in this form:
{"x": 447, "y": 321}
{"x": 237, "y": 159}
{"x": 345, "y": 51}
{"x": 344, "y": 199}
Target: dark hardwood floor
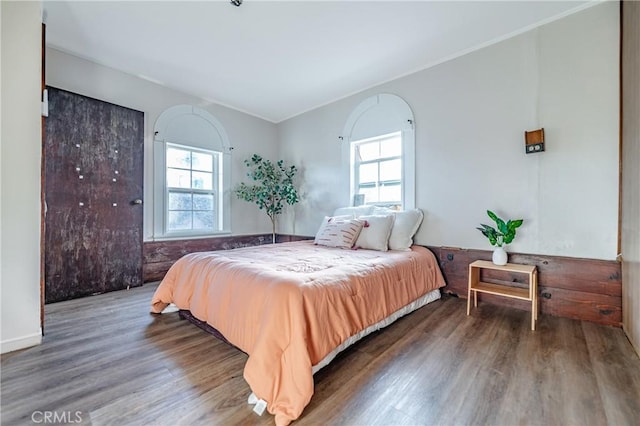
{"x": 108, "y": 359}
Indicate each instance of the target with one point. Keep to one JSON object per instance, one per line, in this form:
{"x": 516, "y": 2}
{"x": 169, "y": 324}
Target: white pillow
{"x": 377, "y": 210}
{"x": 328, "y": 219}
{"x": 404, "y": 228}
{"x": 353, "y": 211}
{"x": 375, "y": 232}
{"x": 338, "y": 233}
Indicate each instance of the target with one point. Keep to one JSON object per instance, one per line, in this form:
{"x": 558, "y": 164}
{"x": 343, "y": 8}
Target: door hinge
{"x": 45, "y": 103}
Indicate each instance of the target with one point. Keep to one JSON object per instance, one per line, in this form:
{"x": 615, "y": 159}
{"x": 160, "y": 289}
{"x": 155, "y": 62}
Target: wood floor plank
{"x": 616, "y": 369}
{"x": 107, "y": 357}
{"x": 554, "y": 382}
{"x": 477, "y": 387}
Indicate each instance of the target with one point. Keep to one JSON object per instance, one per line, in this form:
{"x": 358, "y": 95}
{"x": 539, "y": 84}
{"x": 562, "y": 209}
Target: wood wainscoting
{"x": 583, "y": 289}
{"x": 158, "y": 256}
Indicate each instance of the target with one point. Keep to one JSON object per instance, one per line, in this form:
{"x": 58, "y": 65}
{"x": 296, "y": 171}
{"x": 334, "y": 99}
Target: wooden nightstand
{"x": 529, "y": 294}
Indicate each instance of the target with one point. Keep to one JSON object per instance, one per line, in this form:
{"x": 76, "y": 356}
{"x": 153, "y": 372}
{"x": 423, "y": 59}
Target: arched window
{"x": 379, "y": 148}
{"x": 192, "y": 171}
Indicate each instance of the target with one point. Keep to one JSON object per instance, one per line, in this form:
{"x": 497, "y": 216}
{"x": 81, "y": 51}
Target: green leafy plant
{"x": 273, "y": 189}
{"x": 505, "y": 233}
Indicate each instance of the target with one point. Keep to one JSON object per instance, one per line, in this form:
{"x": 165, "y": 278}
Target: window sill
{"x": 175, "y": 237}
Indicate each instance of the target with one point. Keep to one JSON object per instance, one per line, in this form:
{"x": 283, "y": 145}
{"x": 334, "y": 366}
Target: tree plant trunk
{"x": 273, "y": 229}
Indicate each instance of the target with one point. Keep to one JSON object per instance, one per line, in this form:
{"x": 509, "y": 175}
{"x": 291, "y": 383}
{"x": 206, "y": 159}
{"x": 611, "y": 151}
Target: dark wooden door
{"x": 93, "y": 159}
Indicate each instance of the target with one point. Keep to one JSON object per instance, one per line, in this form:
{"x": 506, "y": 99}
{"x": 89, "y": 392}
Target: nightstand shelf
{"x": 529, "y": 294}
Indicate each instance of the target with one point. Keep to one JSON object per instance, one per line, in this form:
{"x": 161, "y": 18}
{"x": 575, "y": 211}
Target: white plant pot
{"x": 499, "y": 256}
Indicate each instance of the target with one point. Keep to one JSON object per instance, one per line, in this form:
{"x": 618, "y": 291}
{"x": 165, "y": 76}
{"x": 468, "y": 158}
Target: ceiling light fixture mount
{"x": 236, "y": 3}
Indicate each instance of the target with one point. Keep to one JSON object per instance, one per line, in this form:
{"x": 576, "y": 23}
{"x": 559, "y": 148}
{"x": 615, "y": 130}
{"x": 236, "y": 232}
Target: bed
{"x": 293, "y": 306}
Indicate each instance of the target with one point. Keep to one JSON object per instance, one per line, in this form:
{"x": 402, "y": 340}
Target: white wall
{"x": 20, "y": 175}
{"x": 470, "y": 116}
{"x": 247, "y": 134}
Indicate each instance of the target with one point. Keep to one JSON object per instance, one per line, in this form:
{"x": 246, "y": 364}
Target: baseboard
{"x": 18, "y": 343}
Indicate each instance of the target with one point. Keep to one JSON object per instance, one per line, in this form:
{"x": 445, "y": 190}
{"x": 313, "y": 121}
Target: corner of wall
{"x": 20, "y": 161}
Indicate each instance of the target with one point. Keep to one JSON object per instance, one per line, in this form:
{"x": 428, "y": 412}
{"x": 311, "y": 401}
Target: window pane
{"x": 202, "y": 180}
{"x": 191, "y": 202}
{"x": 377, "y": 168}
{"x": 203, "y": 201}
{"x": 369, "y": 151}
{"x": 178, "y": 158}
{"x": 391, "y": 193}
{"x": 179, "y": 201}
{"x": 177, "y": 178}
{"x": 202, "y": 161}
{"x": 370, "y": 194}
{"x": 391, "y": 147}
{"x": 391, "y": 170}
{"x": 179, "y": 220}
{"x": 368, "y": 173}
{"x": 203, "y": 219}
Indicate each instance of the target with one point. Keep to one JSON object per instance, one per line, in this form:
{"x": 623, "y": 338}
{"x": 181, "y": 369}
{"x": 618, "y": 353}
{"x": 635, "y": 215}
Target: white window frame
{"x": 374, "y": 117}
{"x": 356, "y": 163}
{"x": 214, "y": 139}
{"x": 216, "y": 190}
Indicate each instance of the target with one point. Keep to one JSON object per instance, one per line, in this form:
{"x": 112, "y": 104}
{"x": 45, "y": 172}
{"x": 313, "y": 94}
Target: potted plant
{"x": 273, "y": 189}
{"x": 504, "y": 234}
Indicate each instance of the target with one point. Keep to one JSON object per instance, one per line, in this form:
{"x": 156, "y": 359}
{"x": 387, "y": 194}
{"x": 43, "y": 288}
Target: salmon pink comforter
{"x": 289, "y": 305}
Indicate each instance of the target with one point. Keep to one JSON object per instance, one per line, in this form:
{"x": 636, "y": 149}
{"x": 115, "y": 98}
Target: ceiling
{"x": 278, "y": 59}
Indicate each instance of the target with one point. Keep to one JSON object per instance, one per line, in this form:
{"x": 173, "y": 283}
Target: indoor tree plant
{"x": 504, "y": 234}
{"x": 273, "y": 188}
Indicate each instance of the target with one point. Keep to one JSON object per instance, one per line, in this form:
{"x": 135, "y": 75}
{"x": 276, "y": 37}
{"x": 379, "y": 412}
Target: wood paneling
{"x": 158, "y": 256}
{"x": 630, "y": 155}
{"x": 600, "y": 308}
{"x": 435, "y": 366}
{"x": 583, "y": 289}
{"x": 93, "y": 173}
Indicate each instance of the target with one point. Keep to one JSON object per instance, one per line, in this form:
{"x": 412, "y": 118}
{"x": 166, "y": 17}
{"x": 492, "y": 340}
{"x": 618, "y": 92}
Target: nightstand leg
{"x": 533, "y": 316}
{"x": 534, "y": 307}
{"x": 475, "y": 299}
{"x": 469, "y": 301}
{"x": 534, "y": 311}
